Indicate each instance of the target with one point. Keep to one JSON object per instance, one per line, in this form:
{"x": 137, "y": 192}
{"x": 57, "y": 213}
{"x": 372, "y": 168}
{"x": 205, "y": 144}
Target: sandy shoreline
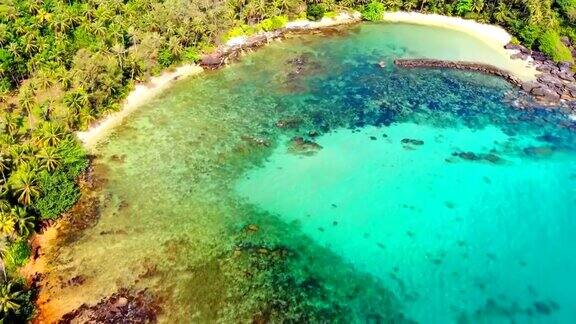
{"x": 494, "y": 36}
{"x": 156, "y": 85}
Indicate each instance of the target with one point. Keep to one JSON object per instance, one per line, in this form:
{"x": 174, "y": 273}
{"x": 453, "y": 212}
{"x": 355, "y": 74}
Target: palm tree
{"x": 49, "y": 158}
{"x": 64, "y": 78}
{"x": 9, "y": 300}
{"x": 24, "y": 223}
{"x": 502, "y": 13}
{"x": 60, "y": 22}
{"x": 25, "y": 187}
{"x": 11, "y": 123}
{"x": 45, "y": 78}
{"x": 76, "y": 100}
{"x": 4, "y": 205}
{"x": 7, "y": 224}
{"x": 98, "y": 28}
{"x": 4, "y": 166}
{"x": 43, "y": 16}
{"x": 14, "y": 49}
{"x": 50, "y": 134}
{"x": 27, "y": 101}
{"x": 120, "y": 52}
{"x": 477, "y": 5}
{"x": 19, "y": 155}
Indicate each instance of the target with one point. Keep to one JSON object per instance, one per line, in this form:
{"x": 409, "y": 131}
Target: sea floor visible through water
{"x": 308, "y": 183}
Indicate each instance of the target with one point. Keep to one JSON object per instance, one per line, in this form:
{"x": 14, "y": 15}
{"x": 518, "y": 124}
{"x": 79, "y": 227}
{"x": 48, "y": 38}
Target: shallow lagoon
{"x": 206, "y": 207}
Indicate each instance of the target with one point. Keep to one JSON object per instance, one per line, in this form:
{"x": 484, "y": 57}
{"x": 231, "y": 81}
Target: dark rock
{"x": 519, "y": 56}
{"x": 470, "y": 156}
{"x": 493, "y": 158}
{"x": 121, "y": 307}
{"x": 290, "y": 122}
{"x": 539, "y": 56}
{"x": 571, "y": 88}
{"x": 75, "y": 281}
{"x": 299, "y": 145}
{"x": 212, "y": 61}
{"x": 549, "y": 79}
{"x": 412, "y": 141}
{"x": 255, "y": 141}
{"x": 564, "y": 66}
{"x": 544, "y": 68}
{"x": 566, "y": 41}
{"x": 528, "y": 86}
{"x": 542, "y": 308}
{"x": 566, "y": 76}
{"x": 539, "y": 151}
{"x": 313, "y": 133}
{"x": 545, "y": 94}
{"x": 458, "y": 65}
{"x": 512, "y": 46}
{"x": 517, "y": 47}
{"x": 382, "y": 64}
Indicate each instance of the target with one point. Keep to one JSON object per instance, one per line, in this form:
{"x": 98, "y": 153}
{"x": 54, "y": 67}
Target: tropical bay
{"x": 315, "y": 180}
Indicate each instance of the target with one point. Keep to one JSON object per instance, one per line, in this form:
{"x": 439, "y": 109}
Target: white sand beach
{"x": 140, "y": 95}
{"x": 145, "y": 91}
{"x": 492, "y": 35}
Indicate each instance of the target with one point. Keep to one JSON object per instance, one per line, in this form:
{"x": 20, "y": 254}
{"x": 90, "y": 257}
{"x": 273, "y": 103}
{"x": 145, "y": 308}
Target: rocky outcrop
{"x": 302, "y": 146}
{"x": 556, "y": 82}
{"x": 458, "y": 65}
{"x": 232, "y": 50}
{"x": 226, "y": 53}
{"x": 122, "y": 307}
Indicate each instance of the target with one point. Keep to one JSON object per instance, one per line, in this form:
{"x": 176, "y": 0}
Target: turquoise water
{"x": 421, "y": 195}
{"x": 451, "y": 236}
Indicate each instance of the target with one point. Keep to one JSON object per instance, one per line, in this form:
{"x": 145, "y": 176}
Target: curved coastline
{"x": 494, "y": 36}
{"x": 146, "y": 91}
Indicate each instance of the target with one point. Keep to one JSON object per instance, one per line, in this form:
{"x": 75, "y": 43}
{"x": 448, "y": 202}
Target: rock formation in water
{"x": 555, "y": 84}
{"x": 458, "y": 65}
{"x": 299, "y": 145}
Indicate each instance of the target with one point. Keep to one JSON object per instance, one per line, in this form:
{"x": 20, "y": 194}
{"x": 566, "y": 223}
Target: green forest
{"x": 65, "y": 64}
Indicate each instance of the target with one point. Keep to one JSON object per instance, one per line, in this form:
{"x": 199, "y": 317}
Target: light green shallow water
{"x": 205, "y": 207}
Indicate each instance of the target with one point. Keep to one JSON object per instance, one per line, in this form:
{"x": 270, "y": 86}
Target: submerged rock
{"x": 542, "y": 308}
{"x": 121, "y": 307}
{"x": 471, "y": 156}
{"x": 313, "y": 133}
{"x": 299, "y": 145}
{"x": 252, "y": 228}
{"x": 412, "y": 141}
{"x": 539, "y": 151}
{"x": 289, "y": 122}
{"x": 493, "y": 158}
{"x": 255, "y": 140}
